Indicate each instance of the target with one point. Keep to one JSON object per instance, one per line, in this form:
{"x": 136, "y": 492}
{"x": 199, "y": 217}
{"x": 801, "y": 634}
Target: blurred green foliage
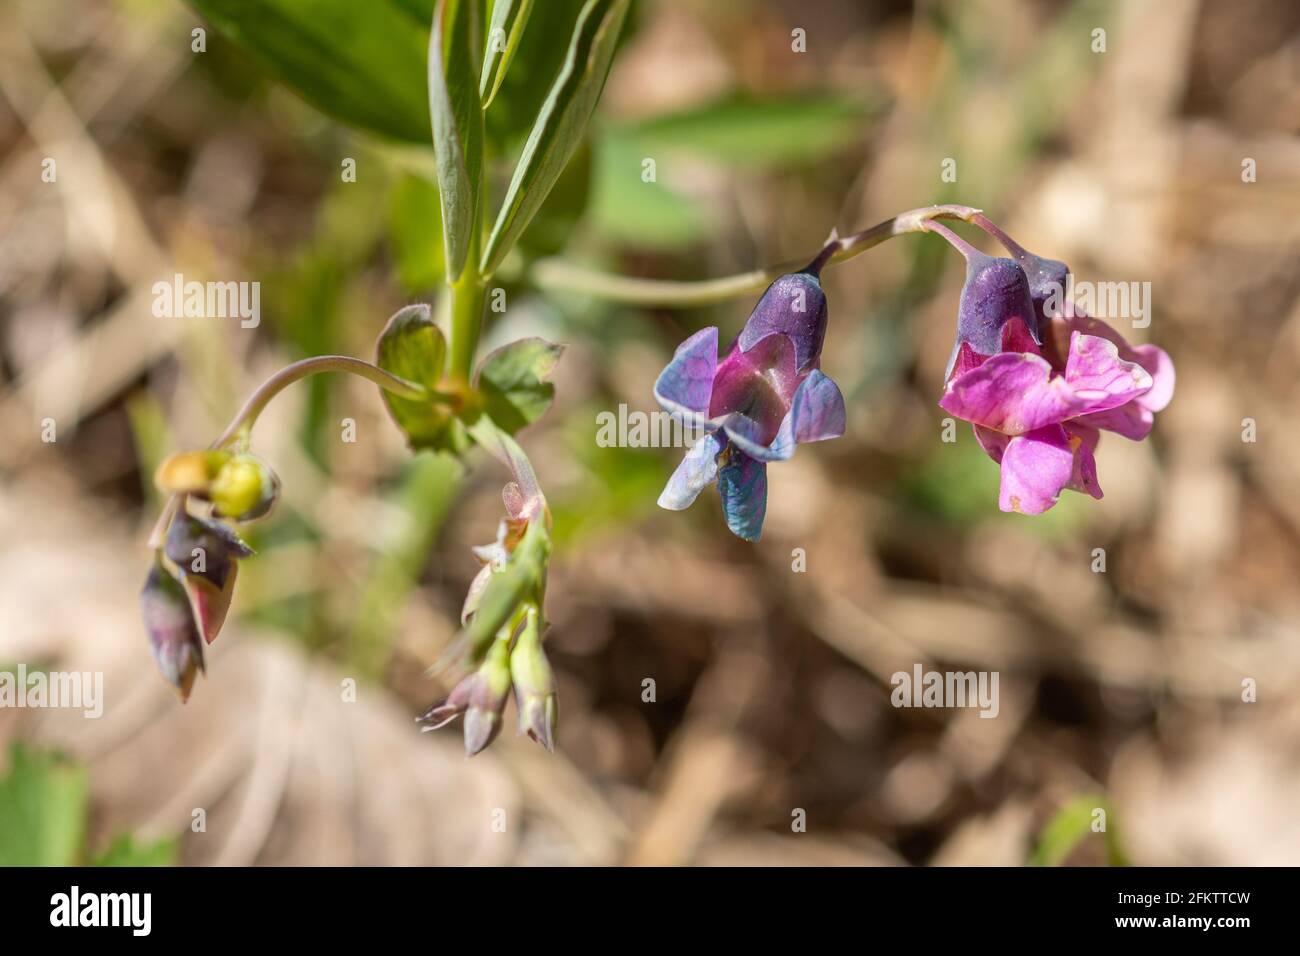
{"x": 1070, "y": 826}
{"x": 44, "y": 804}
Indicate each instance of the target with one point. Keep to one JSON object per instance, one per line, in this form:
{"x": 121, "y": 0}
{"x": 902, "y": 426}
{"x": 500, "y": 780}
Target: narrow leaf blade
{"x": 560, "y": 125}
{"x": 457, "y": 120}
{"x": 509, "y": 17}
{"x": 362, "y": 63}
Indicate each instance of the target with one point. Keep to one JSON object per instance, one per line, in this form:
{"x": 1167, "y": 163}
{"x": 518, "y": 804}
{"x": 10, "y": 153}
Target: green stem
{"x": 468, "y": 294}
{"x": 559, "y": 275}
{"x": 244, "y": 420}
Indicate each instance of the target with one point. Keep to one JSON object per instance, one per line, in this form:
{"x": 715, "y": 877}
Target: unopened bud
{"x": 487, "y": 698}
{"x": 244, "y": 488}
{"x": 189, "y": 472}
{"x": 534, "y": 683}
{"x": 173, "y": 634}
{"x": 206, "y": 553}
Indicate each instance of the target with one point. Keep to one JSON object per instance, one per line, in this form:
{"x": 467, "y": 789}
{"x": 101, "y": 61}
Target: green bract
{"x": 512, "y": 382}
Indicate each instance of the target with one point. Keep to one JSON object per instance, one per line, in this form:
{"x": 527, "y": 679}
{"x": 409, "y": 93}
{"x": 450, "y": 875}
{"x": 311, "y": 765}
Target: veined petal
{"x": 1012, "y": 393}
{"x": 697, "y": 469}
{"x": 1133, "y": 420}
{"x": 816, "y": 414}
{"x": 742, "y": 482}
{"x": 1152, "y": 358}
{"x": 1099, "y": 378}
{"x": 1035, "y": 467}
{"x": 749, "y": 436}
{"x": 1083, "y": 440}
{"x": 685, "y": 386}
{"x": 758, "y": 383}
{"x": 993, "y": 443}
{"x": 1161, "y": 369}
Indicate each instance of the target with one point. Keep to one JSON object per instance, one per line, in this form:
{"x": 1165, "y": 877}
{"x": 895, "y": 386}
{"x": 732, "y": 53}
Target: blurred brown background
{"x": 1120, "y": 689}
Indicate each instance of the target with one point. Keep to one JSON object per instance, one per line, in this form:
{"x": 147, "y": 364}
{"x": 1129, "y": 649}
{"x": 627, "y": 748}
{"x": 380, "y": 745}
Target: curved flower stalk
{"x": 196, "y": 550}
{"x": 1038, "y": 381}
{"x": 191, "y": 584}
{"x": 763, "y": 398}
{"x": 1037, "y": 384}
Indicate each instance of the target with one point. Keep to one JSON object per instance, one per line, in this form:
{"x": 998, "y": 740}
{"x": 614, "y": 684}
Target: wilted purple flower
{"x": 763, "y": 398}
{"x": 206, "y": 553}
{"x": 173, "y": 634}
{"x": 480, "y": 696}
{"x": 1037, "y": 413}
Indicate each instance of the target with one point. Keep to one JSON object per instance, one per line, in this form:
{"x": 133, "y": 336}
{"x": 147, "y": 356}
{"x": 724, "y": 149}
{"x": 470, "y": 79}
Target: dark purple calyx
{"x": 995, "y": 293}
{"x": 1047, "y": 277}
{"x": 795, "y": 305}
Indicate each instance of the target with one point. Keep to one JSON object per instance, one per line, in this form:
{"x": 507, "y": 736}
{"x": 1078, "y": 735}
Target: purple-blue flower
{"x": 764, "y": 397}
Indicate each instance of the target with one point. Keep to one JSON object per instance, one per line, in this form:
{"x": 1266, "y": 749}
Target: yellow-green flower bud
{"x": 244, "y": 488}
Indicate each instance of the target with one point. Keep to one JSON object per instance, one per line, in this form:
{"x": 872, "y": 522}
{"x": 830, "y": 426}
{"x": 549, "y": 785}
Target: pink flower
{"x": 1038, "y": 413}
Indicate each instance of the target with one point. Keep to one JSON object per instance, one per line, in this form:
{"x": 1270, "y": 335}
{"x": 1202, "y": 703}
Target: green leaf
{"x": 560, "y": 125}
{"x": 415, "y": 229}
{"x": 509, "y": 17}
{"x": 412, "y": 347}
{"x": 512, "y": 381}
{"x": 525, "y": 86}
{"x": 754, "y": 132}
{"x": 42, "y": 810}
{"x": 555, "y": 222}
{"x": 124, "y": 851}
{"x": 457, "y": 124}
{"x": 645, "y": 215}
{"x": 1071, "y": 825}
{"x": 363, "y": 63}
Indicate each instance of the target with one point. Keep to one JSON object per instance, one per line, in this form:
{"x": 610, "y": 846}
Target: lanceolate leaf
{"x": 457, "y": 116}
{"x": 361, "y": 62}
{"x": 560, "y": 124}
{"x": 512, "y": 381}
{"x": 509, "y": 17}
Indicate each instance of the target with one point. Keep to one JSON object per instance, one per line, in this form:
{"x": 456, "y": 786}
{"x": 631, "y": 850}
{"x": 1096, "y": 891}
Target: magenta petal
{"x": 1099, "y": 378}
{"x": 1016, "y": 337}
{"x": 1132, "y": 420}
{"x": 993, "y": 443}
{"x": 757, "y": 384}
{"x": 1153, "y": 359}
{"x": 685, "y": 386}
{"x": 1012, "y": 393}
{"x": 1083, "y": 439}
{"x": 1161, "y": 369}
{"x": 1035, "y": 467}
